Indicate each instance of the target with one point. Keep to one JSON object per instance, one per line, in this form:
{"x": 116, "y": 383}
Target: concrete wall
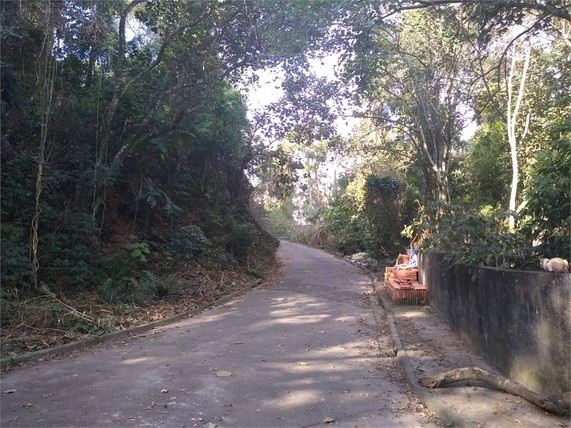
{"x": 519, "y": 321}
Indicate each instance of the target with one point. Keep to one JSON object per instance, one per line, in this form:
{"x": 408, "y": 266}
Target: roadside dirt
{"x": 31, "y": 324}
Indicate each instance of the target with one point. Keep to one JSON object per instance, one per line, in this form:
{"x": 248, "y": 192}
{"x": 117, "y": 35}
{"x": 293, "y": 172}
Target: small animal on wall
{"x": 555, "y": 264}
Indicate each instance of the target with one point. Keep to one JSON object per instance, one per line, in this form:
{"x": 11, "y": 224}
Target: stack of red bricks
{"x": 402, "y": 284}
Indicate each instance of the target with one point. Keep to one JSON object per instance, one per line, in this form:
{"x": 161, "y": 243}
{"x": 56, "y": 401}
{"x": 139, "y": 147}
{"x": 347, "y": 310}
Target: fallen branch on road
{"x": 557, "y": 404}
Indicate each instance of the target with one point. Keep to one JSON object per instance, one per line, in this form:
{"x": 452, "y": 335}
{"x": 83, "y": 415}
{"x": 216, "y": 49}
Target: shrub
{"x": 16, "y": 268}
{"x": 145, "y": 289}
{"x": 480, "y": 239}
{"x": 188, "y": 242}
{"x": 383, "y": 210}
{"x": 115, "y": 266}
{"x": 117, "y": 291}
{"x": 139, "y": 250}
{"x": 346, "y": 228}
{"x": 242, "y": 239}
{"x": 225, "y": 260}
{"x": 546, "y": 217}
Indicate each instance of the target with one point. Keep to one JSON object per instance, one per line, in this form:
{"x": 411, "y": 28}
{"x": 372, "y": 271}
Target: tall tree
{"x": 515, "y": 97}
{"x": 519, "y": 73}
{"x": 197, "y": 44}
{"x": 415, "y": 81}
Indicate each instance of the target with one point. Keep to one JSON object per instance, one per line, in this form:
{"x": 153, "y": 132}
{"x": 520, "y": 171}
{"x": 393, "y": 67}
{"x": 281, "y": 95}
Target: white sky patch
{"x": 267, "y": 91}
{"x": 326, "y": 66}
{"x": 469, "y": 130}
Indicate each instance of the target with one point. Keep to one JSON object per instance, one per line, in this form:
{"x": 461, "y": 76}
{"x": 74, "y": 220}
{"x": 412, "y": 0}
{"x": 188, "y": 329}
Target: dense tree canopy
{"x": 417, "y": 73}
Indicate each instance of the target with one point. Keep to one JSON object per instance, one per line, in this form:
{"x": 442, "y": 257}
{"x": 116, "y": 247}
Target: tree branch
{"x": 167, "y": 41}
{"x": 547, "y": 9}
{"x": 560, "y": 404}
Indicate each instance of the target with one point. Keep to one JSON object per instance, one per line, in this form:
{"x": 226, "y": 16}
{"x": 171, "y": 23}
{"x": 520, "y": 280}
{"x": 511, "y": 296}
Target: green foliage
{"x": 117, "y": 291}
{"x": 157, "y": 199}
{"x": 225, "y": 260}
{"x": 18, "y": 179}
{"x": 116, "y": 276}
{"x": 346, "y": 226}
{"x": 385, "y": 186}
{"x": 17, "y": 213}
{"x": 129, "y": 289}
{"x": 304, "y": 113}
{"x": 8, "y": 299}
{"x": 68, "y": 243}
{"x": 170, "y": 286}
{"x": 276, "y": 214}
{"x": 138, "y": 250}
{"x": 16, "y": 267}
{"x": 278, "y": 171}
{"x": 408, "y": 77}
{"x": 115, "y": 267}
{"x": 188, "y": 243}
{"x": 147, "y": 288}
{"x": 484, "y": 175}
{"x": 243, "y": 239}
{"x": 139, "y": 138}
{"x": 68, "y": 254}
{"x": 348, "y": 230}
{"x": 281, "y": 230}
{"x": 150, "y": 134}
{"x": 546, "y": 217}
{"x": 143, "y": 288}
{"x": 383, "y": 211}
{"x": 477, "y": 239}
{"x": 167, "y": 150}
{"x": 81, "y": 325}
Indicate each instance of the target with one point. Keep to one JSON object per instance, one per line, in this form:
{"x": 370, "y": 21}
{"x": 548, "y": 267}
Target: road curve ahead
{"x": 306, "y": 352}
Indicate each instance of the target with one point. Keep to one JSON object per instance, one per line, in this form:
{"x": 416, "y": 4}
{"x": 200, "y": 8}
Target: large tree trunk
{"x": 560, "y": 404}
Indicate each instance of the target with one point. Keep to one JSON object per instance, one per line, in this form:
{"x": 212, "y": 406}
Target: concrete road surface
{"x": 309, "y": 351}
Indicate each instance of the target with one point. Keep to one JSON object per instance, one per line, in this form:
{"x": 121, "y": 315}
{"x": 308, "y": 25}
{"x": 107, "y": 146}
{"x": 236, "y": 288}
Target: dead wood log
{"x": 558, "y": 404}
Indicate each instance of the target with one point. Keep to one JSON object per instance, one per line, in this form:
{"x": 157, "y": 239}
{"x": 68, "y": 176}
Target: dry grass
{"x": 31, "y": 324}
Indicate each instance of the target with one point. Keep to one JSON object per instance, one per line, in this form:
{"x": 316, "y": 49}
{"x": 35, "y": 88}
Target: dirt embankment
{"x": 52, "y": 319}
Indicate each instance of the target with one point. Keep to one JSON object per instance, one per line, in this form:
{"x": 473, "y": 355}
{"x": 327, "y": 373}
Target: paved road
{"x": 309, "y": 351}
